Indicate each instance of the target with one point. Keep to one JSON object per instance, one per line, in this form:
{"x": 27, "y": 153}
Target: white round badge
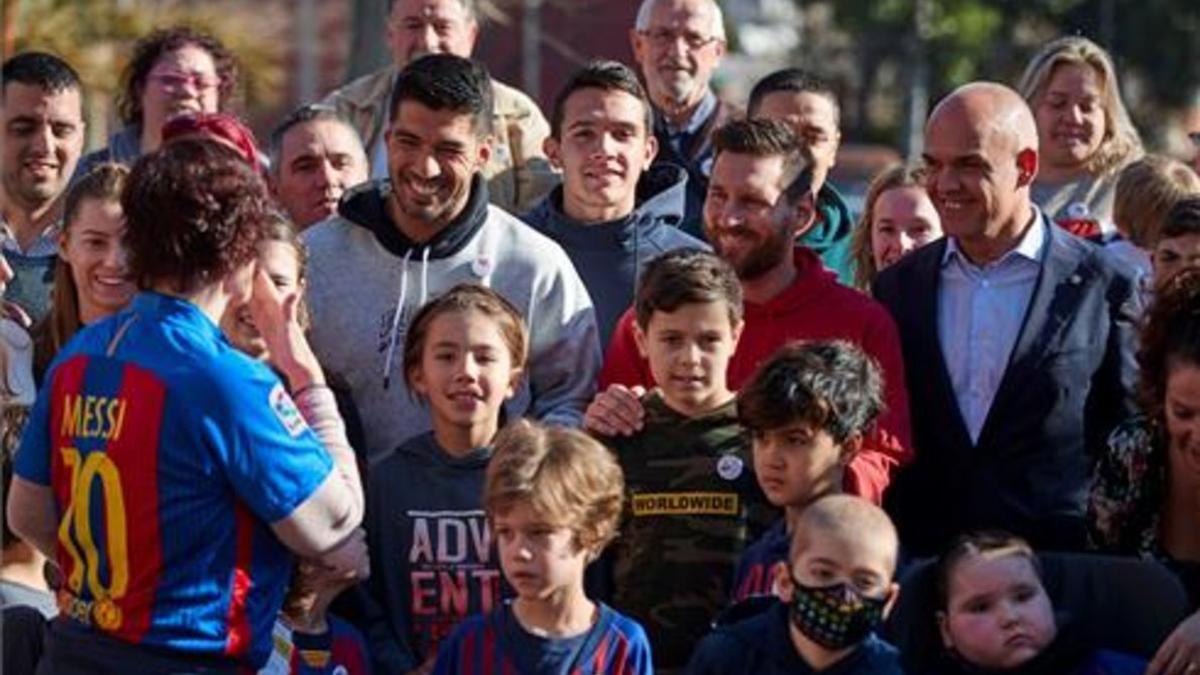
{"x": 730, "y": 467}
{"x": 481, "y": 266}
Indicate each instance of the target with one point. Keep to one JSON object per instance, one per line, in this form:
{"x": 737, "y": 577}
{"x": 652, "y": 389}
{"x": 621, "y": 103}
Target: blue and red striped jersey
{"x": 341, "y": 650}
{"x": 169, "y": 452}
{"x": 497, "y": 644}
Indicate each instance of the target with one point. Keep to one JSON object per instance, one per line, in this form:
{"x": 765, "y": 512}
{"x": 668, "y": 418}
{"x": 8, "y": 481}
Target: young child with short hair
{"x": 995, "y": 617}
{"x": 553, "y": 497}
{"x": 432, "y": 559}
{"x": 807, "y": 409}
{"x": 1146, "y": 190}
{"x": 834, "y": 589}
{"x": 693, "y": 502}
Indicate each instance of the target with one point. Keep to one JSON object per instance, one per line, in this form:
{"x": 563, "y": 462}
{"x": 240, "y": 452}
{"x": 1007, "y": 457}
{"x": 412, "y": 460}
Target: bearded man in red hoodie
{"x": 759, "y": 201}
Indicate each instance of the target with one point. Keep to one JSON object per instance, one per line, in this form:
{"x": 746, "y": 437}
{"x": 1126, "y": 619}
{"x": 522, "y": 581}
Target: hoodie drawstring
{"x": 393, "y": 333}
{"x": 424, "y": 277}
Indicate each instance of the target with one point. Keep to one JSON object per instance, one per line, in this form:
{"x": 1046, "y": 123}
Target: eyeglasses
{"x": 664, "y": 37}
{"x": 176, "y": 80}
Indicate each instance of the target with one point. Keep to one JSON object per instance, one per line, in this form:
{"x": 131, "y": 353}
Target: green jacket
{"x": 830, "y": 236}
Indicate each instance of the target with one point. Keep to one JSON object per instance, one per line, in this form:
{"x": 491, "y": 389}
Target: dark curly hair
{"x": 195, "y": 212}
{"x": 832, "y": 385}
{"x": 151, "y": 48}
{"x": 1170, "y": 336}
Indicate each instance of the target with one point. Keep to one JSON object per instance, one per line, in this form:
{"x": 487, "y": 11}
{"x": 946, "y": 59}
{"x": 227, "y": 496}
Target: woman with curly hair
{"x": 1145, "y": 496}
{"x": 173, "y": 71}
{"x": 172, "y": 476}
{"x": 1085, "y": 136}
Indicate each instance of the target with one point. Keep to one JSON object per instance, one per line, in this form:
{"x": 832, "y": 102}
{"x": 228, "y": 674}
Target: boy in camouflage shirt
{"x": 693, "y": 502}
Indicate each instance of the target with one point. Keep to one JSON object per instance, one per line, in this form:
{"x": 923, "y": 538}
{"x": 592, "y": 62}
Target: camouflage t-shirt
{"x": 693, "y": 504}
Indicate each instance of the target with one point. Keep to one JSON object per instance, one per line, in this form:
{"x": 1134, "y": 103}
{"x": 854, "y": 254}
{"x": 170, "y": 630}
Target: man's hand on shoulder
{"x": 616, "y": 411}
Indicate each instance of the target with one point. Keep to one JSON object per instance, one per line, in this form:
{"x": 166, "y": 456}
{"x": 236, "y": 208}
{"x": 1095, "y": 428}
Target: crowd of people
{"x": 435, "y": 383}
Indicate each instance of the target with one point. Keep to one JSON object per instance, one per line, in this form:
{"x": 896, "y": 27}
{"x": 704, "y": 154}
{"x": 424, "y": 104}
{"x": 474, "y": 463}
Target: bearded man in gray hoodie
{"x": 395, "y": 243}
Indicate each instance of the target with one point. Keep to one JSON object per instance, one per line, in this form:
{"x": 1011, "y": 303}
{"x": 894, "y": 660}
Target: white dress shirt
{"x": 980, "y": 313}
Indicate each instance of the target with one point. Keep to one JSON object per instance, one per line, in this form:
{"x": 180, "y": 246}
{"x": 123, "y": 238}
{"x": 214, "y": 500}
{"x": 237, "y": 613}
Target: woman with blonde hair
{"x": 897, "y": 218}
{"x": 1085, "y": 135}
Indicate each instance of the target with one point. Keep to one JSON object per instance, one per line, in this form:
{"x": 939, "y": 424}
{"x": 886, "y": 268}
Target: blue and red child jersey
{"x": 169, "y": 452}
{"x": 340, "y": 650}
{"x": 755, "y": 573}
{"x": 497, "y": 644}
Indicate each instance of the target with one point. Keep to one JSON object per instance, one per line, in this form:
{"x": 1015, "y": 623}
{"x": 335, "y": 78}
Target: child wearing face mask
{"x": 834, "y": 589}
{"x": 995, "y": 616}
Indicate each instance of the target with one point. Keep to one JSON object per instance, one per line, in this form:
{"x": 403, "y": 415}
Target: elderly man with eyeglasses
{"x": 678, "y": 45}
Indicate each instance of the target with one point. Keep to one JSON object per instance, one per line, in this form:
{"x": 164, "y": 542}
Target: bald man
{"x": 1018, "y": 341}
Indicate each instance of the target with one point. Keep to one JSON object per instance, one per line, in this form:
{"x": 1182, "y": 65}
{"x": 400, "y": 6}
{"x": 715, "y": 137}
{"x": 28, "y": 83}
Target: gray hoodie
{"x": 610, "y": 255}
{"x": 366, "y": 281}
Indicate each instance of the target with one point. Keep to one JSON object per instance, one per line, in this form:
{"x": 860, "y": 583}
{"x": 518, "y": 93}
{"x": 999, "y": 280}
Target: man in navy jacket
{"x": 1018, "y": 341}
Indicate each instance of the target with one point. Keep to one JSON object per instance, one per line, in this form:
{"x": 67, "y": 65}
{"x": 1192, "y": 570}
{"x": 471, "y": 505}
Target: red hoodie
{"x": 814, "y": 307}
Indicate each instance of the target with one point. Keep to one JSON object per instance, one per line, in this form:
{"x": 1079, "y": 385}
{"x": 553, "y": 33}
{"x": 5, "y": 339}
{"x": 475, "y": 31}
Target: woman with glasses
{"x": 174, "y": 71}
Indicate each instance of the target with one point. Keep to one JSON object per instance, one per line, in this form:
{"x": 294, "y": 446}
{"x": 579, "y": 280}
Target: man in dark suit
{"x": 1018, "y": 341}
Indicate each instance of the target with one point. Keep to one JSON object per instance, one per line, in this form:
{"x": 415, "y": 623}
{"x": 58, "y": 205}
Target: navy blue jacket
{"x": 1069, "y": 380}
{"x": 609, "y": 256}
{"x": 762, "y": 645}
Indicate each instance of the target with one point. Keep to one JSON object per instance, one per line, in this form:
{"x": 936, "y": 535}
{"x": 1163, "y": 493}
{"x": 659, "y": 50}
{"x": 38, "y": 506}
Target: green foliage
{"x": 1153, "y": 42}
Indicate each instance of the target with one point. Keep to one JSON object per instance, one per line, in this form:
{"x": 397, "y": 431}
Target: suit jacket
{"x": 1069, "y": 381}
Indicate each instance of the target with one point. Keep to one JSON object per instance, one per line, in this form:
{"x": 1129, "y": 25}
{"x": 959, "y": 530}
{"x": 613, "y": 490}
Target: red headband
{"x": 219, "y": 127}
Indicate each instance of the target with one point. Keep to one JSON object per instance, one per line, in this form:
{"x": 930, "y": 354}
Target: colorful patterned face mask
{"x": 835, "y": 617}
